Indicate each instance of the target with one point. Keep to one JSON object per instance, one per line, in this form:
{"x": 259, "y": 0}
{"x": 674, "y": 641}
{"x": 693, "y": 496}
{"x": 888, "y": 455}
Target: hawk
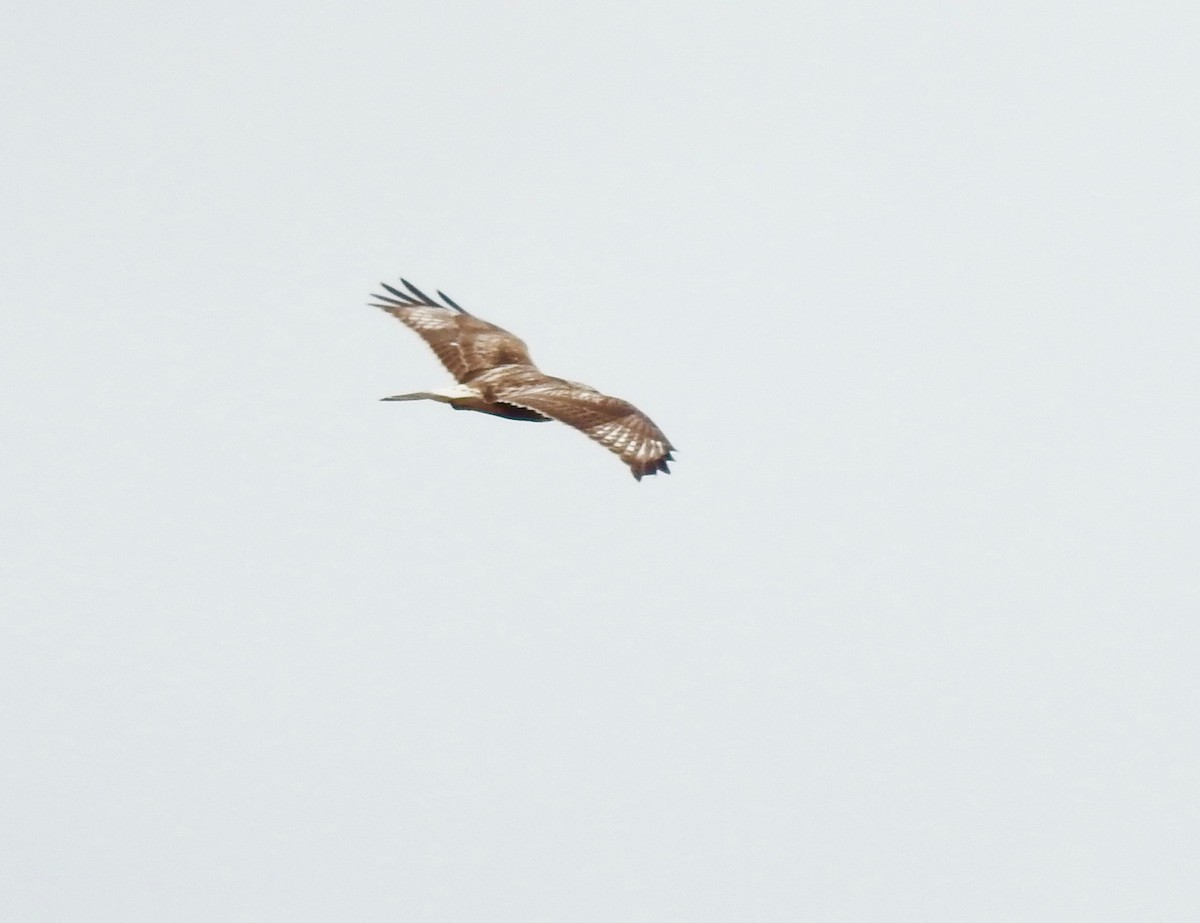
{"x": 495, "y": 375}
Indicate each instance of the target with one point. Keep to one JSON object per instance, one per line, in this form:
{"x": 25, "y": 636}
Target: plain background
{"x": 910, "y": 632}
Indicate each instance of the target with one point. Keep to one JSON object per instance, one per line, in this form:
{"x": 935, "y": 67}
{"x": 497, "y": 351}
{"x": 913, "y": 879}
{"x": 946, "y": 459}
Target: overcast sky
{"x": 910, "y": 632}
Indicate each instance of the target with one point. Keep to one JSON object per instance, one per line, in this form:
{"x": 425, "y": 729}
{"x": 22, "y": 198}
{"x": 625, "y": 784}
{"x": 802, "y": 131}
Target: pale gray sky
{"x": 911, "y": 631}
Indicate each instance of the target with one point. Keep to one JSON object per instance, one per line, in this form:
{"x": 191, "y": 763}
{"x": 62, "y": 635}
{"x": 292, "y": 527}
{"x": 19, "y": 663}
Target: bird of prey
{"x": 495, "y": 375}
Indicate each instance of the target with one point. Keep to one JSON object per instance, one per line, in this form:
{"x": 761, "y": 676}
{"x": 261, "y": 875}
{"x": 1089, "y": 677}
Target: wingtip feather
{"x": 450, "y": 301}
{"x": 421, "y": 296}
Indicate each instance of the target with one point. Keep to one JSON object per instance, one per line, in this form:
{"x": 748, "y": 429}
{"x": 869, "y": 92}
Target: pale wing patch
{"x": 615, "y": 424}
{"x": 465, "y": 344}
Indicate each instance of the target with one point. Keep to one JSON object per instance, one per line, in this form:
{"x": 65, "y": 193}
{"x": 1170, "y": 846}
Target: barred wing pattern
{"x": 496, "y": 375}
{"x": 615, "y": 424}
{"x": 465, "y": 344}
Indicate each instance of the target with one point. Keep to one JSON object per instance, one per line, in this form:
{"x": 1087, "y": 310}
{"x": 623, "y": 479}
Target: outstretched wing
{"x": 465, "y": 344}
{"x": 615, "y": 424}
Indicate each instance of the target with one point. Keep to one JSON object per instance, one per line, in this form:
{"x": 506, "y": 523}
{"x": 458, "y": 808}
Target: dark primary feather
{"x": 417, "y": 297}
{"x": 446, "y": 298}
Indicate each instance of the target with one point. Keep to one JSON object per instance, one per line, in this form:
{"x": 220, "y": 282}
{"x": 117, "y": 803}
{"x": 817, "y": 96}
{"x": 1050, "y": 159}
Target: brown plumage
{"x": 495, "y": 375}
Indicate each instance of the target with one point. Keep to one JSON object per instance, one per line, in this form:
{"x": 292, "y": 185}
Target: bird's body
{"x": 496, "y": 376}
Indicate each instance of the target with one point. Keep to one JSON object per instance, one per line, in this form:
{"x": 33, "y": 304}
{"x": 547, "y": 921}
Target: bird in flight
{"x": 495, "y": 375}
